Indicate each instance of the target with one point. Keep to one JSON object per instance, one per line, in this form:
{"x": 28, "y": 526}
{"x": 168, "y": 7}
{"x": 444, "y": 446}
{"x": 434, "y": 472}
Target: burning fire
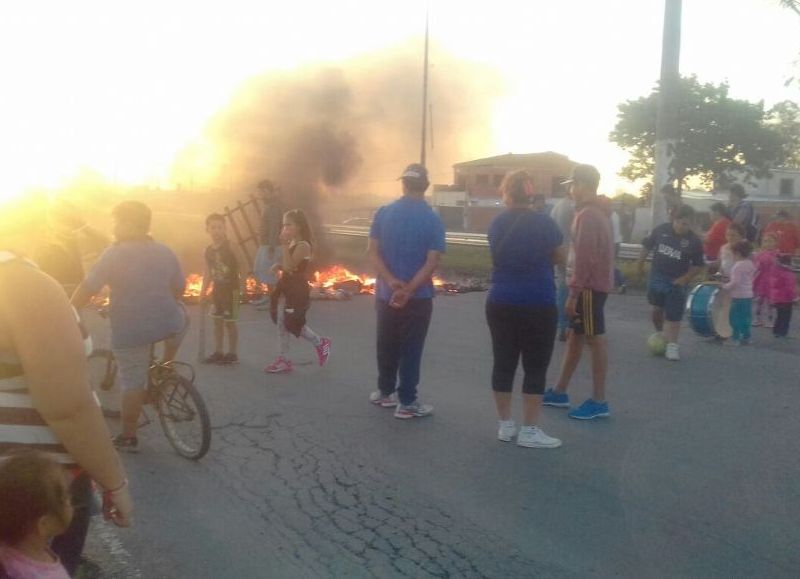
{"x": 194, "y": 285}
{"x": 335, "y": 282}
{"x": 337, "y": 277}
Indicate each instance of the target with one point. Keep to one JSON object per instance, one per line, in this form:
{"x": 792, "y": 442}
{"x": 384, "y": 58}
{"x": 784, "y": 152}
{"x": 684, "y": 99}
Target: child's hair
{"x": 683, "y": 212}
{"x": 517, "y": 186}
{"x": 784, "y": 259}
{"x": 215, "y": 217}
{"x": 743, "y": 248}
{"x": 738, "y": 228}
{"x": 298, "y": 217}
{"x": 31, "y": 486}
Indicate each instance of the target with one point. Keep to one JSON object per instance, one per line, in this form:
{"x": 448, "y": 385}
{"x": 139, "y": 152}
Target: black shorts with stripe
{"x": 225, "y": 299}
{"x": 590, "y": 319}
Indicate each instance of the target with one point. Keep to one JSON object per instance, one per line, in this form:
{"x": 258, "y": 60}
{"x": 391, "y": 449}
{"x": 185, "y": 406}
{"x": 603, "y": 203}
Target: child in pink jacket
{"x": 783, "y": 293}
{"x": 765, "y": 263}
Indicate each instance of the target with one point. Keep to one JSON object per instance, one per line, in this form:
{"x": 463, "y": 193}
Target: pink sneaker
{"x": 280, "y": 366}
{"x": 324, "y": 351}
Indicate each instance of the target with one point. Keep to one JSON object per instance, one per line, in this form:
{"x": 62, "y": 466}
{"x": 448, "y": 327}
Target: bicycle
{"x": 181, "y": 409}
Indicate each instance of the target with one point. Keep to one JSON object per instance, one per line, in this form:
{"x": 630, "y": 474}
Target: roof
{"x": 514, "y": 160}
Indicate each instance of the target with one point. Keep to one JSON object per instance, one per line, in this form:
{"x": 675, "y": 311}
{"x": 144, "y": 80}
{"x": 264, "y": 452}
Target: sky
{"x": 122, "y": 88}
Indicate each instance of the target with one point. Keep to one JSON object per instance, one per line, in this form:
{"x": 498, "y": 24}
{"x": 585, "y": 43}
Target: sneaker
{"x": 324, "y": 351}
{"x": 673, "y": 352}
{"x": 265, "y": 307}
{"x": 589, "y": 410}
{"x": 732, "y": 343}
{"x": 769, "y": 325}
{"x": 260, "y": 301}
{"x": 557, "y": 399}
{"x": 757, "y": 323}
{"x": 534, "y": 437}
{"x": 413, "y": 410}
{"x": 126, "y": 443}
{"x": 506, "y": 429}
{"x": 230, "y": 358}
{"x": 378, "y": 399}
{"x": 280, "y": 366}
{"x": 215, "y": 358}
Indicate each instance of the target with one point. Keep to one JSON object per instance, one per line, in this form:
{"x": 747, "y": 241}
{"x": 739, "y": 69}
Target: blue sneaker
{"x": 589, "y": 410}
{"x": 557, "y": 399}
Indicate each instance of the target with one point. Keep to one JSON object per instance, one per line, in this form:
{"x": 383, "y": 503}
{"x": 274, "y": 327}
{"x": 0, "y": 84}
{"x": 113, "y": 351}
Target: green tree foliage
{"x": 717, "y": 135}
{"x": 784, "y": 118}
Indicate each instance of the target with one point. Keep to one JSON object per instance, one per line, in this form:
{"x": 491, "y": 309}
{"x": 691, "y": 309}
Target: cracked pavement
{"x": 306, "y": 479}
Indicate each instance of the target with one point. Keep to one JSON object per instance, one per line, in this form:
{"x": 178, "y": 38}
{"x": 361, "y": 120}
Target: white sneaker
{"x": 534, "y": 437}
{"x": 506, "y": 429}
{"x": 673, "y": 352}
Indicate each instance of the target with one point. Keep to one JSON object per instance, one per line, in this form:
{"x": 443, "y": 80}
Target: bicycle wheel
{"x": 183, "y": 416}
{"x": 103, "y": 379}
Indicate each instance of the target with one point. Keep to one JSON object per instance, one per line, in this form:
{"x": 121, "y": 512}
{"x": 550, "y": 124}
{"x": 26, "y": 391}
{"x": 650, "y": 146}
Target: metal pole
{"x": 425, "y": 92}
{"x": 667, "y": 115}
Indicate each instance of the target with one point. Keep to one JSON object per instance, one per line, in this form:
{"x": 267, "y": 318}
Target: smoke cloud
{"x": 352, "y": 127}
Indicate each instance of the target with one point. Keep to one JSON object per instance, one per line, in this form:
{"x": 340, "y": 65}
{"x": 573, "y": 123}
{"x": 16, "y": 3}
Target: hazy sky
{"x": 121, "y": 87}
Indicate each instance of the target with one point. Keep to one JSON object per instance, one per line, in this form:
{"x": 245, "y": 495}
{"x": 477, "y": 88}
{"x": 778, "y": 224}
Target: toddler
{"x": 783, "y": 293}
{"x": 741, "y": 288}
{"x": 764, "y": 262}
{"x": 34, "y": 507}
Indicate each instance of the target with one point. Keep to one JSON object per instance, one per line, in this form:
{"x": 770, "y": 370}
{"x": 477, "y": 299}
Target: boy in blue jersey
{"x": 406, "y": 242}
{"x": 677, "y": 259}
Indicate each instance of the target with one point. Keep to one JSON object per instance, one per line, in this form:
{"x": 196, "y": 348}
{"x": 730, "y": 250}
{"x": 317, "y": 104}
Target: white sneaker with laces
{"x": 506, "y": 429}
{"x": 673, "y": 352}
{"x": 534, "y": 437}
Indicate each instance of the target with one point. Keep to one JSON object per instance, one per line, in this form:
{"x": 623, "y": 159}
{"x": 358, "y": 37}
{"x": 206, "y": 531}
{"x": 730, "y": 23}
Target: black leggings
{"x": 529, "y": 331}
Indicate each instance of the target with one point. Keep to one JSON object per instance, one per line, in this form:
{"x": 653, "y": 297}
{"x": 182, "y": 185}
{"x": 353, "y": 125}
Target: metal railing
{"x": 627, "y": 251}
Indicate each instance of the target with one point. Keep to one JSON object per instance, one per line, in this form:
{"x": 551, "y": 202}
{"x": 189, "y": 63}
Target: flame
{"x": 194, "y": 285}
{"x": 328, "y": 278}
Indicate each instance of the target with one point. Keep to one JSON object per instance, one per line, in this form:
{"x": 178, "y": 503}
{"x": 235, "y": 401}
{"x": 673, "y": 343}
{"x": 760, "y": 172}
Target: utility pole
{"x": 667, "y": 115}
{"x": 425, "y": 92}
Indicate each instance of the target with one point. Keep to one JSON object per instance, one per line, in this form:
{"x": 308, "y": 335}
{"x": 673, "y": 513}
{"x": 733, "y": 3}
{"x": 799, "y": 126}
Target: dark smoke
{"x": 323, "y": 131}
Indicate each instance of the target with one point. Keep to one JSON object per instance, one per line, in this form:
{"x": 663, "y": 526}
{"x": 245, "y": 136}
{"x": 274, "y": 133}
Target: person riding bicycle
{"x": 147, "y": 284}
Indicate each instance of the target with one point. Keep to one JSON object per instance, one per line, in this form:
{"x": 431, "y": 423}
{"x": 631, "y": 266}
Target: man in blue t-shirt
{"x": 677, "y": 259}
{"x": 406, "y": 242}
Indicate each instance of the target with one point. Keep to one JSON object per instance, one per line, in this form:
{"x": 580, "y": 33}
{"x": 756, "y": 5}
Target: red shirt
{"x": 715, "y": 238}
{"x": 592, "y": 250}
{"x": 786, "y": 234}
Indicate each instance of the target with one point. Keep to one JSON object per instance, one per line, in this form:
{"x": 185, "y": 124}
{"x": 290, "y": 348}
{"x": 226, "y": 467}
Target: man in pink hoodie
{"x": 590, "y": 273}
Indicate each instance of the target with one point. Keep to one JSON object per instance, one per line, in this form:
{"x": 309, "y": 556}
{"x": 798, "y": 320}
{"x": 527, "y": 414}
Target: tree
{"x": 718, "y": 136}
{"x": 791, "y": 5}
{"x": 784, "y": 118}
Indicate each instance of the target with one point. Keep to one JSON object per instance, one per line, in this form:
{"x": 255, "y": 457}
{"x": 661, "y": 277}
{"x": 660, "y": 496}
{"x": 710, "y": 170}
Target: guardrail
{"x": 627, "y": 251}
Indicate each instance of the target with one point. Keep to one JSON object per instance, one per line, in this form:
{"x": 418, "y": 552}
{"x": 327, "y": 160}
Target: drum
{"x": 708, "y": 308}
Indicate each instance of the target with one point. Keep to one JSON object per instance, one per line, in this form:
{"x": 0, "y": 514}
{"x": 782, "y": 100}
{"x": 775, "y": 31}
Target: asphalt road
{"x": 696, "y": 474}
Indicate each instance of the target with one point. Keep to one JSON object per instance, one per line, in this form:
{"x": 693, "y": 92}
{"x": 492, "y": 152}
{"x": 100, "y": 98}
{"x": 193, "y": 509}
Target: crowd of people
{"x": 551, "y": 277}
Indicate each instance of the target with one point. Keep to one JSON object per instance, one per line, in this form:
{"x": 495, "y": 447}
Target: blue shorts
{"x": 671, "y": 298}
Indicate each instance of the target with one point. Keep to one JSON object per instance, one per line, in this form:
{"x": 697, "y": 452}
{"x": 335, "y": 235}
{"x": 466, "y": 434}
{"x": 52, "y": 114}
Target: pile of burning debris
{"x": 334, "y": 283}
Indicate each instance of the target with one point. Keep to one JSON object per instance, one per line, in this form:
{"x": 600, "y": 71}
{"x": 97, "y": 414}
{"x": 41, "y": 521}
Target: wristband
{"x": 116, "y": 490}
